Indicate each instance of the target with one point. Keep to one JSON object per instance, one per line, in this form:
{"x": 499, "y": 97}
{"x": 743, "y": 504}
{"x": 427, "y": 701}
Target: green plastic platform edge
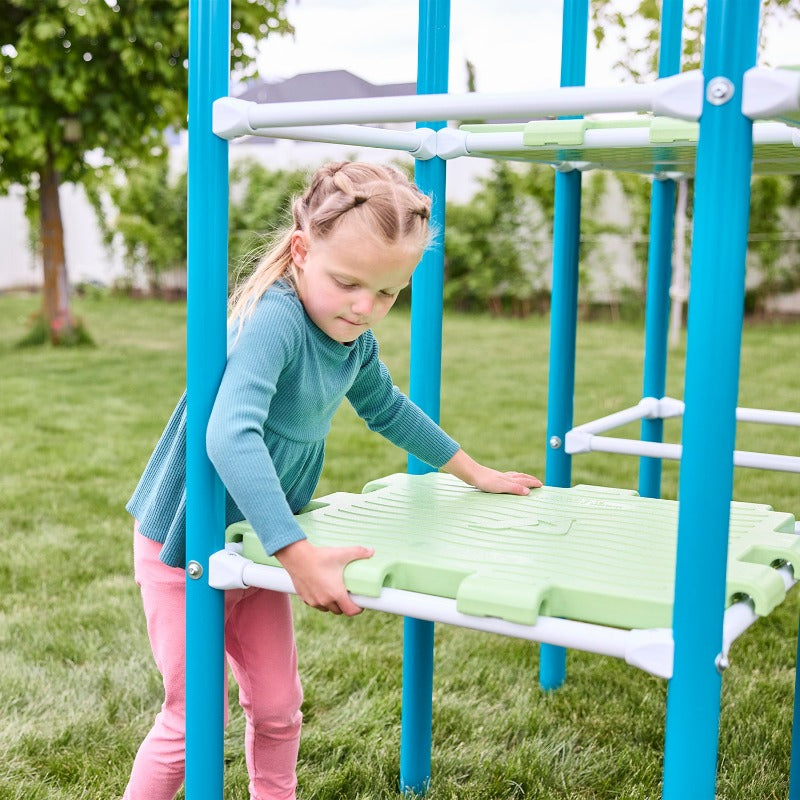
{"x": 481, "y": 594}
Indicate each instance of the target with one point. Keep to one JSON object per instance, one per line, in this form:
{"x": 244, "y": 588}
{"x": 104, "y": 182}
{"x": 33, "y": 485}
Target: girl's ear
{"x": 299, "y": 248}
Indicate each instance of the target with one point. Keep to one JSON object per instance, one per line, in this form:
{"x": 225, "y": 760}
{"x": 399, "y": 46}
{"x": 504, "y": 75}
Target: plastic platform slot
{"x": 659, "y": 145}
{"x": 586, "y": 553}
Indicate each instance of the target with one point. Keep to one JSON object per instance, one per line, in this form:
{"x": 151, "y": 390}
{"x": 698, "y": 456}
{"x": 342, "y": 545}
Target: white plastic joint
{"x": 231, "y": 118}
{"x": 651, "y": 650}
{"x": 451, "y": 143}
{"x": 427, "y": 146}
{"x": 226, "y": 570}
{"x": 670, "y": 407}
{"x": 770, "y": 93}
{"x": 578, "y": 441}
{"x": 679, "y": 96}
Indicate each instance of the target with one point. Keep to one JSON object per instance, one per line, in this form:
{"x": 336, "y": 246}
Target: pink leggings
{"x": 259, "y": 641}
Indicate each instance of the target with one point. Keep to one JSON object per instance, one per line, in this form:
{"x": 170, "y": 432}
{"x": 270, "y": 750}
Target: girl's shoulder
{"x": 277, "y": 314}
{"x": 280, "y": 304}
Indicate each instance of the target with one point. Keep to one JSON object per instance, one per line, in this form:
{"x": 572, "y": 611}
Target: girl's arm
{"x": 487, "y": 479}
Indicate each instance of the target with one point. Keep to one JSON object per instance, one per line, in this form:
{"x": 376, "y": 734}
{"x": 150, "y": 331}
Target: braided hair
{"x": 377, "y": 198}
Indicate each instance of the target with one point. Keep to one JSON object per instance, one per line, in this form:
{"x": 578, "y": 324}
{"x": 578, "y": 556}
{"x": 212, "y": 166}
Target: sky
{"x": 515, "y": 45}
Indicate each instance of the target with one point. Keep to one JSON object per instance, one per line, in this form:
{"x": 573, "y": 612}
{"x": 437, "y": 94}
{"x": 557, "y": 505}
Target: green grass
{"x": 78, "y": 689}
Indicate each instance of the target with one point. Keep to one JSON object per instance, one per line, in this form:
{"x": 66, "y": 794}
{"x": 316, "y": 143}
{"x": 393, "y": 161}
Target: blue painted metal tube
{"x": 794, "y": 772}
{"x": 716, "y": 303}
{"x": 564, "y": 305}
{"x": 659, "y": 277}
{"x": 659, "y": 269}
{"x": 209, "y": 24}
{"x": 425, "y": 389}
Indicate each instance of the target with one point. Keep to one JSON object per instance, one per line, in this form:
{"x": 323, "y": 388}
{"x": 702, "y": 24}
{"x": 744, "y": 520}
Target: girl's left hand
{"x": 490, "y": 480}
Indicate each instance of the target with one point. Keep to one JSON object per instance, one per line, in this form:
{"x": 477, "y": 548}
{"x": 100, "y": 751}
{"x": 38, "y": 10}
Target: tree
{"x": 149, "y": 220}
{"x": 89, "y": 84}
{"x": 637, "y": 29}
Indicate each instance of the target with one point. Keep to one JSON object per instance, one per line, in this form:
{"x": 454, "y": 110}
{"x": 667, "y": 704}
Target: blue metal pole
{"x": 209, "y": 31}
{"x": 659, "y": 259}
{"x": 564, "y": 305}
{"x": 794, "y": 771}
{"x": 722, "y": 197}
{"x": 425, "y": 390}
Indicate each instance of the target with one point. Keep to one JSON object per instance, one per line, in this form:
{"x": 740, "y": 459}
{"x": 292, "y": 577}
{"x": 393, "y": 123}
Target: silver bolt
{"x": 719, "y": 91}
{"x": 194, "y": 569}
{"x": 721, "y": 663}
{"x": 555, "y": 442}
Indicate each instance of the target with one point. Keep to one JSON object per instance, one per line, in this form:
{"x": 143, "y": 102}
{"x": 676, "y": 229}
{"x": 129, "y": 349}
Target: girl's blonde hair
{"x": 380, "y": 199}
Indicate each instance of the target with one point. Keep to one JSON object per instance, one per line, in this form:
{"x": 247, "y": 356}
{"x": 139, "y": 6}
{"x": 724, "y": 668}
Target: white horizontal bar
{"x": 636, "y": 447}
{"x": 354, "y": 135}
{"x": 678, "y": 95}
{"x": 646, "y": 408}
{"x": 478, "y": 143}
{"x": 648, "y": 649}
{"x": 641, "y": 650}
{"x": 411, "y": 108}
{"x": 790, "y": 418}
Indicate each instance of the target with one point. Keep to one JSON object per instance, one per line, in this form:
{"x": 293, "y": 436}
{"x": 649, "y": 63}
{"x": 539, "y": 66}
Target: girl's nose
{"x": 363, "y": 303}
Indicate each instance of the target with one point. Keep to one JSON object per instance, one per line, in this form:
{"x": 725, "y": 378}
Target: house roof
{"x": 330, "y": 85}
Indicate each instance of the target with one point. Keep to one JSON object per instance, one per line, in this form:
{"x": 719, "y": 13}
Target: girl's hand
{"x": 316, "y": 573}
{"x": 490, "y": 480}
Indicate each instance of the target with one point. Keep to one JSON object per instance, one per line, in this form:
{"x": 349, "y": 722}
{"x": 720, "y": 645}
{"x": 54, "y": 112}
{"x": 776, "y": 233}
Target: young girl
{"x": 299, "y": 342}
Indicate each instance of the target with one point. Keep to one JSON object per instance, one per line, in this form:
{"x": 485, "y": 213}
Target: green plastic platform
{"x": 585, "y": 553}
{"x": 668, "y": 145}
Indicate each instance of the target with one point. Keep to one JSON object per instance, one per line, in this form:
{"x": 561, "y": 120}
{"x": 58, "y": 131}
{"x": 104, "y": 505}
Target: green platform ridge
{"x": 594, "y": 554}
{"x": 672, "y": 147}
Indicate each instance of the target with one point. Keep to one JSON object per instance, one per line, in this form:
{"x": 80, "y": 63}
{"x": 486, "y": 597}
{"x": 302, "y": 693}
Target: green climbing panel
{"x": 665, "y": 146}
{"x": 585, "y": 553}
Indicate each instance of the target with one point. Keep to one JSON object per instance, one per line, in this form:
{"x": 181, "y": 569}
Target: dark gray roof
{"x": 332, "y": 85}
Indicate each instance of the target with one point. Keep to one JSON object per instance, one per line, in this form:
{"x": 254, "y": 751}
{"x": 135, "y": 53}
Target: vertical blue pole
{"x": 794, "y": 771}
{"x": 721, "y": 216}
{"x": 659, "y": 260}
{"x": 209, "y": 31}
{"x": 424, "y": 390}
{"x": 564, "y": 305}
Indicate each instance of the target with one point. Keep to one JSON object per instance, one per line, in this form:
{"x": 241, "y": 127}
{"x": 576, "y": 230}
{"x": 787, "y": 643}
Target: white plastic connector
{"x": 648, "y": 408}
{"x": 578, "y": 441}
{"x": 571, "y": 166}
{"x": 651, "y": 650}
{"x": 428, "y": 146}
{"x": 451, "y": 143}
{"x": 679, "y": 96}
{"x": 772, "y": 94}
{"x": 226, "y": 568}
{"x": 230, "y": 118}
{"x": 670, "y": 407}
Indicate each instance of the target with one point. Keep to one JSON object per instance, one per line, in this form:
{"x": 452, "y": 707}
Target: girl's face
{"x": 347, "y": 282}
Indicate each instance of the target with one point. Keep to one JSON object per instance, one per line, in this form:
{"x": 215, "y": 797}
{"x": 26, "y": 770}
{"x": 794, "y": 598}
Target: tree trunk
{"x": 56, "y": 312}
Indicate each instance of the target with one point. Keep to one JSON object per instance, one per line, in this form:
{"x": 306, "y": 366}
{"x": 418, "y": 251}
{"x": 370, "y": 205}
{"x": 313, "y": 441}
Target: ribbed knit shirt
{"x": 283, "y": 381}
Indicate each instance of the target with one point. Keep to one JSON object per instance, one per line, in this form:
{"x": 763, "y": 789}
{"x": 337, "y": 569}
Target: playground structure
{"x": 722, "y": 123}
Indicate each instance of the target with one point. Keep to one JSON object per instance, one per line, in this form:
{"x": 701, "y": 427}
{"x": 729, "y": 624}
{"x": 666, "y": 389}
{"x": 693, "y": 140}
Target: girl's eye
{"x": 344, "y": 284}
{"x": 387, "y": 293}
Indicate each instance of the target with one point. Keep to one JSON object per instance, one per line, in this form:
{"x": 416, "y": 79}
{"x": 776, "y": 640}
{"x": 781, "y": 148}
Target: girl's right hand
{"x": 316, "y": 573}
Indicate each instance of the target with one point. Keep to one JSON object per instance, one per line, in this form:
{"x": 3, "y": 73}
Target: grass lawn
{"x": 78, "y": 689}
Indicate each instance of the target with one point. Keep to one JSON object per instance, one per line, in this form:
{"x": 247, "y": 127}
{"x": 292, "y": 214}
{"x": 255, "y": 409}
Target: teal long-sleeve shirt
{"x": 283, "y": 381}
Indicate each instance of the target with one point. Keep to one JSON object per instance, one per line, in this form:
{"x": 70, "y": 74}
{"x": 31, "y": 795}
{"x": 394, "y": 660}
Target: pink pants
{"x": 259, "y": 641}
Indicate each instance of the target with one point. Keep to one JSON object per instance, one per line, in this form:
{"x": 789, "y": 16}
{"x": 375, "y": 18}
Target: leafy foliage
{"x": 637, "y": 30}
{"x": 149, "y": 221}
{"x": 90, "y": 84}
{"x": 80, "y": 76}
